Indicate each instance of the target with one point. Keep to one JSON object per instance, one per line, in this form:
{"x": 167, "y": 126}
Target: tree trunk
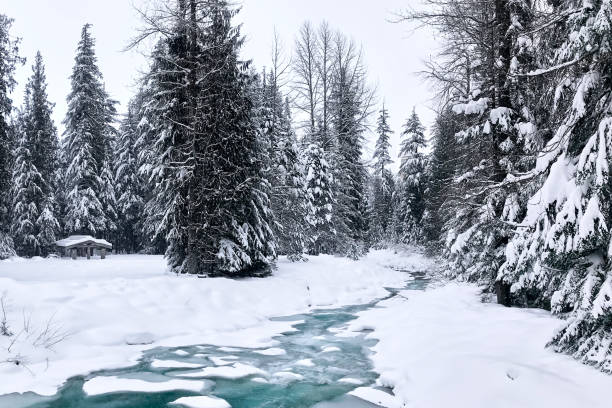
{"x": 502, "y": 290}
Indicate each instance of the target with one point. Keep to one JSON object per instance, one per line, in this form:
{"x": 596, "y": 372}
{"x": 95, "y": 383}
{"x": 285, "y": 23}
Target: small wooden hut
{"x": 83, "y": 245}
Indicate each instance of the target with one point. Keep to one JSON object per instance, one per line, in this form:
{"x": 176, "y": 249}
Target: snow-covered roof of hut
{"x": 78, "y": 240}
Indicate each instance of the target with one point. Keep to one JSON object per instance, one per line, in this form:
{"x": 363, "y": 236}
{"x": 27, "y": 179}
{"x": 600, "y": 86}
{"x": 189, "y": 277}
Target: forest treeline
{"x": 518, "y": 185}
{"x": 223, "y": 166}
{"x": 217, "y": 164}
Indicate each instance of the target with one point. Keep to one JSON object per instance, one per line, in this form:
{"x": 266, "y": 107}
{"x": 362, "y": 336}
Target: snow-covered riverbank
{"x": 111, "y": 310}
{"x": 436, "y": 348}
{"x": 443, "y": 347}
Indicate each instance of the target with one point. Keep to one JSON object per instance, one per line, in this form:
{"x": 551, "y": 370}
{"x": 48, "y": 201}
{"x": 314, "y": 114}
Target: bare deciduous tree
{"x": 306, "y": 82}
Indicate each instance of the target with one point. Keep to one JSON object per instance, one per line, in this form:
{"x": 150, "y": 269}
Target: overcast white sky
{"x": 392, "y": 55}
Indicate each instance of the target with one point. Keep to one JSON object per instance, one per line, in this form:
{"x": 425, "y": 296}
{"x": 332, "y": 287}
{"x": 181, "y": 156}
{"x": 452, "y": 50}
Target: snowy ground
{"x": 104, "y": 313}
{"x": 438, "y": 348}
{"x": 444, "y": 348}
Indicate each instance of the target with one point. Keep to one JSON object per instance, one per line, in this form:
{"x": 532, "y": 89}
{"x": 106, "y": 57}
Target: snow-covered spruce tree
{"x": 382, "y": 184}
{"x": 560, "y": 258}
{"x": 283, "y": 168}
{"x": 381, "y": 152}
{"x": 290, "y": 203}
{"x": 320, "y": 200}
{"x": 88, "y": 147}
{"x": 153, "y": 101}
{"x": 108, "y": 194}
{"x": 284, "y": 172}
{"x": 9, "y": 59}
{"x": 350, "y": 107}
{"x": 411, "y": 202}
{"x": 34, "y": 218}
{"x": 439, "y": 172}
{"x": 129, "y": 183}
{"x": 381, "y": 209}
{"x": 60, "y": 189}
{"x": 235, "y": 237}
{"x": 165, "y": 135}
{"x": 331, "y": 91}
{"x": 208, "y": 170}
{"x": 47, "y": 158}
{"x": 27, "y": 183}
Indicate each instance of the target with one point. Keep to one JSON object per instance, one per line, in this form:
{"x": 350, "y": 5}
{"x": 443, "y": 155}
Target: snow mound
{"x": 443, "y": 347}
{"x": 136, "y": 339}
{"x": 375, "y": 396}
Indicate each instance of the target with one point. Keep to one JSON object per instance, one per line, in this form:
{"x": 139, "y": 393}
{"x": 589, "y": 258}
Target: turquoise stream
{"x": 319, "y": 386}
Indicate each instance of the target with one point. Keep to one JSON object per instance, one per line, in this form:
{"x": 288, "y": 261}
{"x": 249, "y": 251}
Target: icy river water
{"x": 316, "y": 365}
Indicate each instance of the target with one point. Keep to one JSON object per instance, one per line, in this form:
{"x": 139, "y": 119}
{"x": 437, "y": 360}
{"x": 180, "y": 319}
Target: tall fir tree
{"x": 350, "y": 107}
{"x": 290, "y": 203}
{"x": 284, "y": 172}
{"x": 9, "y": 59}
{"x": 208, "y": 165}
{"x": 35, "y": 223}
{"x": 155, "y": 118}
{"x": 88, "y": 147}
{"x": 129, "y": 183}
{"x": 382, "y": 183}
{"x": 410, "y": 196}
{"x": 440, "y": 172}
{"x": 241, "y": 239}
{"x": 382, "y": 159}
{"x": 320, "y": 200}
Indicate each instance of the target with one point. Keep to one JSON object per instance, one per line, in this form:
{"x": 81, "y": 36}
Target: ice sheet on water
{"x": 349, "y": 380}
{"x": 288, "y": 376}
{"x": 201, "y": 402}
{"x": 274, "y": 351}
{"x": 233, "y": 372}
{"x": 307, "y": 362}
{"x": 105, "y": 385}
